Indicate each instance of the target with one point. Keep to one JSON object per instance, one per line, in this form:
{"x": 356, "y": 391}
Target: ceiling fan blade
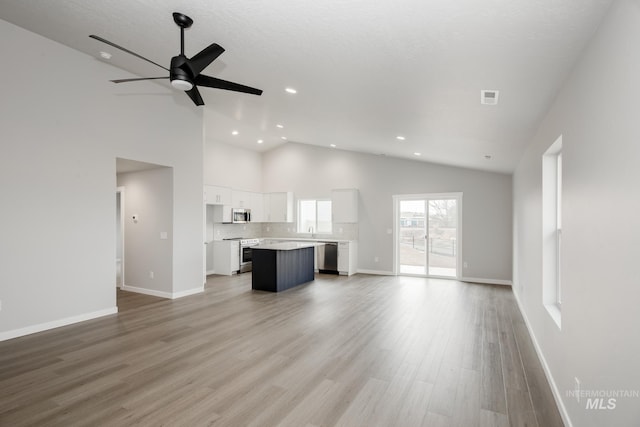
{"x": 213, "y": 82}
{"x": 126, "y": 50}
{"x": 138, "y": 79}
{"x": 194, "y": 94}
{"x": 205, "y": 57}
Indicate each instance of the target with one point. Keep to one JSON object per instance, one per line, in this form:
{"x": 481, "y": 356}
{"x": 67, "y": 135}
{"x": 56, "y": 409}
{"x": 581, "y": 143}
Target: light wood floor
{"x": 358, "y": 351}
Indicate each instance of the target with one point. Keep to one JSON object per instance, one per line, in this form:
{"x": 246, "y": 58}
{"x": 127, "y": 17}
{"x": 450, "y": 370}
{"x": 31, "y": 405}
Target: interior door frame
{"x": 121, "y": 191}
{"x": 396, "y": 229}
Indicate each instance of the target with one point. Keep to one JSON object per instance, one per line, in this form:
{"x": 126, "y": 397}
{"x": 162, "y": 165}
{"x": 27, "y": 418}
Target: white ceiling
{"x": 366, "y": 71}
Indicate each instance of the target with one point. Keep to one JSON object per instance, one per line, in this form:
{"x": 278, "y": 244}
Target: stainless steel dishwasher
{"x": 327, "y": 257}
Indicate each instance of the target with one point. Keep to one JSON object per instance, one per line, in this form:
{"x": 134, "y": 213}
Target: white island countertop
{"x": 287, "y": 246}
{"x": 305, "y": 239}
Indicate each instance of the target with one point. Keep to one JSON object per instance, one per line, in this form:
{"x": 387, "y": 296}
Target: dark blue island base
{"x": 279, "y": 267}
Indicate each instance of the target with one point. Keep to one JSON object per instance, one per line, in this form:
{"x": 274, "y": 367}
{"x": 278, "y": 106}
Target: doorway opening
{"x": 144, "y": 228}
{"x": 428, "y": 235}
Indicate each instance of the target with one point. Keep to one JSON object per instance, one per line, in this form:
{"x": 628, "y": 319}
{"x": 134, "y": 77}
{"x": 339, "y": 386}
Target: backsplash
{"x": 227, "y": 231}
{"x": 288, "y": 229}
{"x": 218, "y": 231}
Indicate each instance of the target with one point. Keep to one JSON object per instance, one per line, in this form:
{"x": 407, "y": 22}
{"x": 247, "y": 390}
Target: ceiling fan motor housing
{"x": 180, "y": 73}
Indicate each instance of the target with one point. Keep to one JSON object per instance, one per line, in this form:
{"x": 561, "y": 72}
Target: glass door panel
{"x": 412, "y": 245}
{"x": 442, "y": 238}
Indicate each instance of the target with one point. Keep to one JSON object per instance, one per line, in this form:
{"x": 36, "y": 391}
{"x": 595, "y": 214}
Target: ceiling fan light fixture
{"x": 180, "y": 84}
{"x": 185, "y": 73}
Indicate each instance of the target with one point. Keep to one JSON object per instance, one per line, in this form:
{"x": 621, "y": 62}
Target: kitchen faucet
{"x": 310, "y": 230}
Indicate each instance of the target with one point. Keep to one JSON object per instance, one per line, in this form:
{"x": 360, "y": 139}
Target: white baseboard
{"x": 186, "y": 293}
{"x": 56, "y": 324}
{"x": 377, "y": 272}
{"x": 162, "y": 294}
{"x": 486, "y": 281}
{"x": 545, "y": 367}
{"x": 146, "y": 291}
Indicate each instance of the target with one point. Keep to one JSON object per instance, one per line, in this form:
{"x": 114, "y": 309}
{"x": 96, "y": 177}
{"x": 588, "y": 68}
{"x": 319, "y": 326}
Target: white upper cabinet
{"x": 257, "y": 207}
{"x": 278, "y": 207}
{"x": 269, "y": 207}
{"x": 251, "y": 201}
{"x": 240, "y": 199}
{"x": 214, "y": 195}
{"x": 344, "y": 205}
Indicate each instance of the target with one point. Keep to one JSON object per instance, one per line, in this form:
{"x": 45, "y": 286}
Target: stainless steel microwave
{"x": 239, "y": 216}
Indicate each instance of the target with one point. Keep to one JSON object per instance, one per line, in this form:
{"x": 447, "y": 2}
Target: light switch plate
{"x": 163, "y": 235}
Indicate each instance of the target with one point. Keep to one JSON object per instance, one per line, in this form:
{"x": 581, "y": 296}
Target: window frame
{"x": 299, "y": 225}
{"x": 552, "y": 230}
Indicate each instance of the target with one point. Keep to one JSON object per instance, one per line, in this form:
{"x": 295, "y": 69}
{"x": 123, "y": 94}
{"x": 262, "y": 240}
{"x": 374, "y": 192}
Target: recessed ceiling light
{"x": 417, "y": 154}
{"x": 235, "y": 132}
{"x": 283, "y": 137}
{"x": 291, "y": 90}
{"x": 105, "y": 55}
{"x": 487, "y": 156}
{"x": 400, "y": 138}
{"x": 332, "y": 145}
{"x": 279, "y": 126}
{"x": 260, "y": 141}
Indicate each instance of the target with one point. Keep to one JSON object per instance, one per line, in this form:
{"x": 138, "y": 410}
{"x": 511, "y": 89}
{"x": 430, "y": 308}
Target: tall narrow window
{"x": 552, "y": 229}
{"x": 558, "y": 226}
{"x": 314, "y": 216}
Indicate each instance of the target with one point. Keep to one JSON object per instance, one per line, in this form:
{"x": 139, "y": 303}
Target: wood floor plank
{"x": 353, "y": 351}
{"x": 467, "y": 403}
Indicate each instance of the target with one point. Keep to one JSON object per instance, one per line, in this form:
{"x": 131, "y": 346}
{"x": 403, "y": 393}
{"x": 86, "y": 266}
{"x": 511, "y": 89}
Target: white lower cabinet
{"x": 347, "y": 258}
{"x": 226, "y": 256}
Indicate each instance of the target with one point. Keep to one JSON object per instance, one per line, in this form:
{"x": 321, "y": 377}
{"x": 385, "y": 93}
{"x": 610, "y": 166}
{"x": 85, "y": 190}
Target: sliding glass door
{"x": 427, "y": 242}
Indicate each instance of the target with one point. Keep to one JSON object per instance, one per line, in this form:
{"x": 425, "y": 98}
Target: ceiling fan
{"x": 184, "y": 73}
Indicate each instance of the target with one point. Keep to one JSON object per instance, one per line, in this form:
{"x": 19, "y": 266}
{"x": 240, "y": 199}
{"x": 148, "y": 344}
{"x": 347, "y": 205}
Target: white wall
{"x": 233, "y": 167}
{"x": 62, "y": 126}
{"x": 596, "y": 113}
{"x": 148, "y": 195}
{"x": 311, "y": 171}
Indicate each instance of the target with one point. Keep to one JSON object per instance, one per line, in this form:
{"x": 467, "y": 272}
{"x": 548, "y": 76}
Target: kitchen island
{"x": 281, "y": 266}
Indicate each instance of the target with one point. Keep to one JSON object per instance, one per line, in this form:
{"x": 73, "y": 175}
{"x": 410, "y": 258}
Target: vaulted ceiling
{"x": 366, "y": 72}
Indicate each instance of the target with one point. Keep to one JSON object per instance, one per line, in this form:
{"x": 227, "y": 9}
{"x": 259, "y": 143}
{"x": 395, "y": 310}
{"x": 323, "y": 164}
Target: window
{"x": 314, "y": 216}
{"x": 558, "y": 225}
{"x": 552, "y": 229}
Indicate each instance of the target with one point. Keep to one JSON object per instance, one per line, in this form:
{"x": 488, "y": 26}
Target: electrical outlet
{"x": 577, "y": 388}
{"x": 465, "y": 264}
{"x": 376, "y": 259}
{"x": 151, "y": 275}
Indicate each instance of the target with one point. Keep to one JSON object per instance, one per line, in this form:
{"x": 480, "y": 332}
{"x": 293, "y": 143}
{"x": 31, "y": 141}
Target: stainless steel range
{"x": 246, "y": 263}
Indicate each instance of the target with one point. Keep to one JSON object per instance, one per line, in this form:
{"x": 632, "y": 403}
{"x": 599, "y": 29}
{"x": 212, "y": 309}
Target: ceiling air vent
{"x": 489, "y": 97}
